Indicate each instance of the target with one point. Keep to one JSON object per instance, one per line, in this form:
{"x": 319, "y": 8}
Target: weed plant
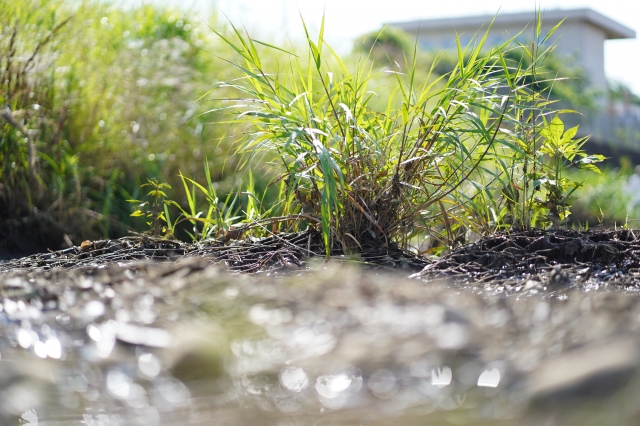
{"x": 156, "y": 210}
{"x": 470, "y": 148}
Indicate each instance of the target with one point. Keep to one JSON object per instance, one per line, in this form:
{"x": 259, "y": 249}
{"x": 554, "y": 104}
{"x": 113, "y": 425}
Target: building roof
{"x": 612, "y": 29}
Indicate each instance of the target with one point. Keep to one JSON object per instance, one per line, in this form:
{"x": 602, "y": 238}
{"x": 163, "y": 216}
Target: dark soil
{"x": 516, "y": 251}
{"x": 508, "y": 258}
{"x": 279, "y": 252}
{"x": 505, "y": 258}
{"x": 28, "y": 235}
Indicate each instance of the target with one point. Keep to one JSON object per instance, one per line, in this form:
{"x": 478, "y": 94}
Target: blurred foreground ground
{"x": 188, "y": 343}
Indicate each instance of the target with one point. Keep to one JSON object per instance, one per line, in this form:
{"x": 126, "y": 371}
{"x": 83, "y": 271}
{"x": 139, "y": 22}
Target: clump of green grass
{"x": 367, "y": 174}
{"x": 446, "y": 151}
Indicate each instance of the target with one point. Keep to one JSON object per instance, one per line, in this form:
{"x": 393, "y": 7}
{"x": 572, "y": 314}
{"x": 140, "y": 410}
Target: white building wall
{"x": 592, "y": 55}
{"x": 575, "y": 40}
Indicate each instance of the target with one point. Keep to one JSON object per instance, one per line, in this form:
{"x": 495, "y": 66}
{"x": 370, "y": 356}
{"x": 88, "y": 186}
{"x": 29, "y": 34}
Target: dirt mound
{"x": 278, "y": 252}
{"x": 609, "y": 255}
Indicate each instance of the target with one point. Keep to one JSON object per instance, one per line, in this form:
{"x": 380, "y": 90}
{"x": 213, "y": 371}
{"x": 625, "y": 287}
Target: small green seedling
{"x": 156, "y": 210}
{"x": 563, "y": 151}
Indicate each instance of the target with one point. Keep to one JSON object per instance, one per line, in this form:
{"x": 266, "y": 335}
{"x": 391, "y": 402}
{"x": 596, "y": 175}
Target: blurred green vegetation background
{"x": 96, "y": 98}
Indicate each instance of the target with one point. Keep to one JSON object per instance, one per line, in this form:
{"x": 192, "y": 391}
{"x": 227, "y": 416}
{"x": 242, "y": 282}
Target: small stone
{"x": 86, "y": 245}
{"x": 559, "y": 278}
{"x": 598, "y": 369}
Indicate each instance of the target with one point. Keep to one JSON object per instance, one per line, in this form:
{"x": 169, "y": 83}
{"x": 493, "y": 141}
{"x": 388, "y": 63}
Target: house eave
{"x": 611, "y": 28}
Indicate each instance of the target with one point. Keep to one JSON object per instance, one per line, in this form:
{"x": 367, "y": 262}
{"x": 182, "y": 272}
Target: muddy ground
{"x": 536, "y": 328}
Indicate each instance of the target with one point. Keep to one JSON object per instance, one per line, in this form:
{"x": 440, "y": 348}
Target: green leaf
{"x": 321, "y": 37}
{"x": 552, "y": 31}
{"x": 157, "y": 193}
{"x": 570, "y": 134}
{"x": 166, "y": 213}
{"x": 460, "y": 55}
{"x": 505, "y": 69}
{"x": 556, "y": 128}
{"x": 591, "y": 167}
{"x": 138, "y": 213}
{"x": 337, "y": 58}
{"x": 274, "y": 47}
{"x": 588, "y": 162}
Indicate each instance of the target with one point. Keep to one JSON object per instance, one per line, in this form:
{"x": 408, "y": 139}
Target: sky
{"x": 347, "y": 19}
